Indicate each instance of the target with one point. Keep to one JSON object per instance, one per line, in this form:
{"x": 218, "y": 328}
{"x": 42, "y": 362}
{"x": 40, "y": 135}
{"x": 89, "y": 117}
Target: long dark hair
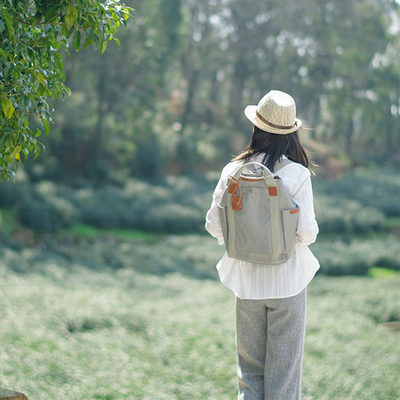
{"x": 274, "y": 146}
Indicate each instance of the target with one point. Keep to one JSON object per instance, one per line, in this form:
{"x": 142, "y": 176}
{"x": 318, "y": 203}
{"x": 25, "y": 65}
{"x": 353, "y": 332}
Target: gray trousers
{"x": 270, "y": 344}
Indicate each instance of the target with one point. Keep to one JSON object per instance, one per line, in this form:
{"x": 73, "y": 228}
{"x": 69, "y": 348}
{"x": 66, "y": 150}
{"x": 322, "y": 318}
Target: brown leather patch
{"x": 273, "y": 191}
{"x": 295, "y": 211}
{"x": 236, "y": 202}
{"x": 232, "y": 187}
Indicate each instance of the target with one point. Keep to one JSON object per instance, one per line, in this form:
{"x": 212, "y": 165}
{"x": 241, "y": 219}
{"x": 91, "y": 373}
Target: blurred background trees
{"x": 170, "y": 98}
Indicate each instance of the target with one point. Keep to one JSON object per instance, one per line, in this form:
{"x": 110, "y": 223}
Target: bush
{"x": 159, "y": 208}
{"x": 172, "y": 218}
{"x": 179, "y": 204}
{"x": 356, "y": 256}
{"x": 106, "y": 208}
{"x": 344, "y": 215}
{"x": 372, "y": 188}
{"x": 11, "y": 193}
{"x": 44, "y": 211}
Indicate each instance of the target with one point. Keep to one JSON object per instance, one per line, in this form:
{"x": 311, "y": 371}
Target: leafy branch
{"x": 34, "y": 36}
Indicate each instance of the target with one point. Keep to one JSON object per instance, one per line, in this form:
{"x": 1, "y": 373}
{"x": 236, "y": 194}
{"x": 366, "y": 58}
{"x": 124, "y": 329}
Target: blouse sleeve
{"x": 307, "y": 228}
{"x": 213, "y": 223}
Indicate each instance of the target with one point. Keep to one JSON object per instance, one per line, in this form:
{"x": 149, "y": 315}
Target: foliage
{"x": 11, "y": 193}
{"x": 379, "y": 189}
{"x": 179, "y": 204}
{"x": 176, "y": 205}
{"x": 170, "y": 99}
{"x": 45, "y": 211}
{"x": 34, "y": 35}
{"x": 342, "y": 215}
{"x": 357, "y": 256}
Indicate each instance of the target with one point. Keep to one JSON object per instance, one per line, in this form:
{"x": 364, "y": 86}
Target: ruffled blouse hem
{"x": 231, "y": 276}
{"x": 309, "y": 279}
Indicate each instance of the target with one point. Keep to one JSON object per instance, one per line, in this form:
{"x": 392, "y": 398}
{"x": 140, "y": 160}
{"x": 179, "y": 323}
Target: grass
{"x": 114, "y": 314}
{"x": 88, "y": 231}
{"x": 383, "y": 273}
{"x": 392, "y": 222}
{"x": 72, "y": 332}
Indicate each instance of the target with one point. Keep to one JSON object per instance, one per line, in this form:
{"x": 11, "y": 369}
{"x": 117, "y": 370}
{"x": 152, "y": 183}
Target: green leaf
{"x": 69, "y": 31}
{"x": 59, "y": 61}
{"x": 10, "y": 29}
{"x": 41, "y": 90}
{"x": 3, "y": 54}
{"x": 103, "y": 46}
{"x": 46, "y": 125}
{"x": 41, "y": 78}
{"x": 25, "y": 151}
{"x": 69, "y": 18}
{"x": 7, "y": 106}
{"x": 76, "y": 41}
{"x": 15, "y": 153}
{"x": 126, "y": 13}
{"x": 88, "y": 41}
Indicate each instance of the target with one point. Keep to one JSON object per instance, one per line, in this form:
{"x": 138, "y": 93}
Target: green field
{"x": 71, "y": 329}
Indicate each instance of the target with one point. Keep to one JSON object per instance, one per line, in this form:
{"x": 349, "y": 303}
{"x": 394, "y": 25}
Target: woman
{"x": 271, "y": 299}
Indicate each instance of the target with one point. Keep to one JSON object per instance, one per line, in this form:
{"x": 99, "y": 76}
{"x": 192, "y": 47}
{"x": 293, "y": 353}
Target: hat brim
{"x": 250, "y": 113}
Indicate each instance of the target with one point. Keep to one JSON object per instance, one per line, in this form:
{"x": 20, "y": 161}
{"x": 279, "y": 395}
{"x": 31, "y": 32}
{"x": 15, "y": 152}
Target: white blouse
{"x": 257, "y": 281}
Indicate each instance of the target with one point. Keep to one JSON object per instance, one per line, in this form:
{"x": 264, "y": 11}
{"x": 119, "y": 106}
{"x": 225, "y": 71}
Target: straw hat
{"x": 275, "y": 113}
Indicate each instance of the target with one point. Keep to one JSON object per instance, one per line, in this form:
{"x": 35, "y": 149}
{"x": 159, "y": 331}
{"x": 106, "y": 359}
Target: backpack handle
{"x": 266, "y": 173}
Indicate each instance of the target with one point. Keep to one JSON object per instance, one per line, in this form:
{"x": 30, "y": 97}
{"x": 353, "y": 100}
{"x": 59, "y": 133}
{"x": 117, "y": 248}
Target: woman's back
{"x": 271, "y": 299}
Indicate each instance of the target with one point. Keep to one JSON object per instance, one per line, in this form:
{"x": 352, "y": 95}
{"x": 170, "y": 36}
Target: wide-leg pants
{"x": 270, "y": 344}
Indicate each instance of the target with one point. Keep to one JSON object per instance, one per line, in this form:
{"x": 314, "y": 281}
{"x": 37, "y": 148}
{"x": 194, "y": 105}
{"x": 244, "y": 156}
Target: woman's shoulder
{"x": 294, "y": 175}
{"x": 230, "y": 168}
{"x": 295, "y": 168}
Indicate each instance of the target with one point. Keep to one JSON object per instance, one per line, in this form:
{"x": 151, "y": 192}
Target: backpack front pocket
{"x": 224, "y": 223}
{"x": 290, "y": 219}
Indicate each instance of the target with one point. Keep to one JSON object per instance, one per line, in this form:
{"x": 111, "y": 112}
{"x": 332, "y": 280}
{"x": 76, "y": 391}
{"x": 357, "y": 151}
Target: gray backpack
{"x": 258, "y": 216}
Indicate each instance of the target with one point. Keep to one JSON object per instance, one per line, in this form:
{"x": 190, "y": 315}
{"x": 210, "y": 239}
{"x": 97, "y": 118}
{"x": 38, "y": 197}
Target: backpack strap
{"x": 268, "y": 176}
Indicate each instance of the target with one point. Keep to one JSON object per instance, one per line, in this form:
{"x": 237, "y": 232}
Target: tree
{"x": 34, "y": 35}
{"x": 175, "y": 90}
{"x": 108, "y": 124}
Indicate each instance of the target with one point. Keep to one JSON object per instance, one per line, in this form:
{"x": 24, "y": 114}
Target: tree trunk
{"x": 236, "y": 97}
{"x": 97, "y": 141}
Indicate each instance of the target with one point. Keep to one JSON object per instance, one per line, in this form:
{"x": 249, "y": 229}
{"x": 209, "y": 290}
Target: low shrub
{"x": 172, "y": 218}
{"x": 11, "y": 193}
{"x": 106, "y": 208}
{"x": 179, "y": 204}
{"x": 356, "y": 256}
{"x": 344, "y": 215}
{"x": 44, "y": 211}
{"x": 379, "y": 189}
{"x": 141, "y": 205}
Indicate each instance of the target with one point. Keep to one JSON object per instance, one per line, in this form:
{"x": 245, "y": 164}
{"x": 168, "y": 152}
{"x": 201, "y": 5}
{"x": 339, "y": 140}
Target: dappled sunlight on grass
{"x": 83, "y": 230}
{"x": 73, "y": 333}
{"x": 383, "y": 273}
{"x": 106, "y": 313}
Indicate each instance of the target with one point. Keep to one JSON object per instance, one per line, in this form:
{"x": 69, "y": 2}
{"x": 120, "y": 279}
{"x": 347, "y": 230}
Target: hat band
{"x": 274, "y": 125}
